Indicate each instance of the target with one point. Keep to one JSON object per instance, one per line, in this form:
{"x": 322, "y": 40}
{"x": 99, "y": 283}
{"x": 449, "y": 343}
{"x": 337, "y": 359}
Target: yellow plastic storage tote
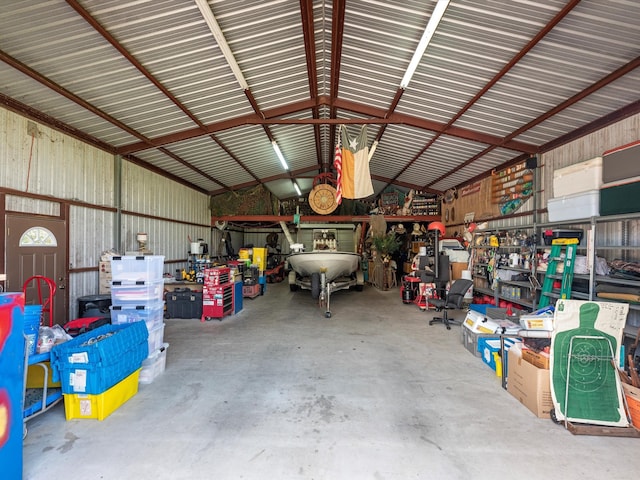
{"x": 79, "y": 405}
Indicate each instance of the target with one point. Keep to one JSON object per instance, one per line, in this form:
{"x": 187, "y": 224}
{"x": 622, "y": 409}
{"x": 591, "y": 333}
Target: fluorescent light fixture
{"x": 295, "y": 185}
{"x": 279, "y": 154}
{"x": 211, "y": 21}
{"x": 432, "y": 24}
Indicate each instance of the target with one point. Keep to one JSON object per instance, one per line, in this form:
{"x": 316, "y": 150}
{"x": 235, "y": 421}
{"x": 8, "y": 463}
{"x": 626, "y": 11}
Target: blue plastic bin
{"x": 32, "y": 315}
{"x": 95, "y": 361}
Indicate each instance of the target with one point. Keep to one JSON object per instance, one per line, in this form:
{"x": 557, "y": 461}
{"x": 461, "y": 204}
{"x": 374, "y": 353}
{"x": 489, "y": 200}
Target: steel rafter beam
{"x": 377, "y": 116}
{"x": 149, "y": 76}
{"x": 306, "y": 13}
{"x": 337, "y": 34}
{"x": 632, "y": 65}
{"x": 503, "y": 71}
{"x": 134, "y": 61}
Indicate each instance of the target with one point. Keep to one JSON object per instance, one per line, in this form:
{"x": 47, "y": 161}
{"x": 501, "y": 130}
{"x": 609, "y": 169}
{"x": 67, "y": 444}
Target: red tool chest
{"x": 217, "y": 293}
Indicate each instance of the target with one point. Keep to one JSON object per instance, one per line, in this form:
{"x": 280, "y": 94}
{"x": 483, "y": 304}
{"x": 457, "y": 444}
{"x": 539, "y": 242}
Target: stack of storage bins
{"x": 137, "y": 292}
{"x": 576, "y": 191}
{"x": 98, "y": 370}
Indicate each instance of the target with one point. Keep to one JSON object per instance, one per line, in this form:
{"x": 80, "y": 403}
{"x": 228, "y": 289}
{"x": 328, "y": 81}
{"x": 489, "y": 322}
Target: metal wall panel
{"x": 79, "y": 285}
{"x": 90, "y": 234}
{"x": 31, "y": 205}
{"x": 39, "y": 159}
{"x": 67, "y": 169}
{"x": 148, "y": 193}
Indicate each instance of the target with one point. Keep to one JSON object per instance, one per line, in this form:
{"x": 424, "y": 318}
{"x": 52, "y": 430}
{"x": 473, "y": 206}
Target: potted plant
{"x": 386, "y": 245}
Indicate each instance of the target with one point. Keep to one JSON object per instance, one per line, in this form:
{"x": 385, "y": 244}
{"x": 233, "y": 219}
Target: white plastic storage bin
{"x": 143, "y": 268}
{"x": 153, "y": 366}
{"x": 152, "y": 314}
{"x": 574, "y": 207}
{"x": 136, "y": 293}
{"x": 578, "y": 178}
{"x": 156, "y": 337}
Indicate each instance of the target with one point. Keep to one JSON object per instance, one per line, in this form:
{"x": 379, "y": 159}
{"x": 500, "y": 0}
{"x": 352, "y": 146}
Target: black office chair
{"x": 452, "y": 299}
{"x": 442, "y": 270}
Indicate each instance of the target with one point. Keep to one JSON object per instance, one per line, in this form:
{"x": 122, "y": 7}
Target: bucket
{"x": 469, "y": 295}
{"x": 408, "y": 294}
{"x": 31, "y": 318}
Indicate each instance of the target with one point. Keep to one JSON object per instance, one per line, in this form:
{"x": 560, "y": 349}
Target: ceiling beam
{"x": 377, "y": 116}
{"x": 599, "y": 124}
{"x": 131, "y": 59}
{"x": 275, "y": 219}
{"x": 9, "y": 60}
{"x": 151, "y": 78}
{"x": 400, "y": 118}
{"x": 496, "y": 78}
{"x": 630, "y": 66}
{"x": 30, "y": 112}
{"x": 338, "y": 9}
{"x": 306, "y": 13}
{"x": 281, "y": 176}
{"x": 191, "y": 167}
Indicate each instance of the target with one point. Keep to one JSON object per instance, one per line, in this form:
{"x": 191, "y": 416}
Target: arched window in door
{"x": 38, "y": 237}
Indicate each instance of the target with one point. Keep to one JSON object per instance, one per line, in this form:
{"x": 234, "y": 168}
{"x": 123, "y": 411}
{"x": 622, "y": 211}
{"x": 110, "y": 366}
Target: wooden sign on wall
{"x": 511, "y": 187}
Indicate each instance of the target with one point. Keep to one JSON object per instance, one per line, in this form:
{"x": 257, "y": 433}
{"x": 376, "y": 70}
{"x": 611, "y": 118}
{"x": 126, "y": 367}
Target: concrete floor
{"x": 280, "y": 392}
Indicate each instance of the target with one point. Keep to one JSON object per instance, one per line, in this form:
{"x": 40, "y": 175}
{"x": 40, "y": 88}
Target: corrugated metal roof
{"x": 500, "y": 80}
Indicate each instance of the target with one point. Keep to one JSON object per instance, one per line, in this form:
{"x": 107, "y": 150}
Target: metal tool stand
{"x": 520, "y": 334}
{"x": 50, "y": 397}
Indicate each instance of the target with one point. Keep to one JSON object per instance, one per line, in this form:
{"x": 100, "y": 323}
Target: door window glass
{"x": 38, "y": 237}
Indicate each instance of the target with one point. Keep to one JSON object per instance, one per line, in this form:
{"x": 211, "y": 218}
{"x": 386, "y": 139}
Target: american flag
{"x": 337, "y": 164}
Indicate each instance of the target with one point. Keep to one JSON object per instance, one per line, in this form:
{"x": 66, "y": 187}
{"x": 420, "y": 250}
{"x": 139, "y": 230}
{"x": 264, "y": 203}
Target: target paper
{"x": 585, "y": 386}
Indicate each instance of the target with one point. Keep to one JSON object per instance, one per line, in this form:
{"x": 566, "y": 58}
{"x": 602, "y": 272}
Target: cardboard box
{"x": 457, "y": 268}
{"x": 530, "y": 385}
{"x": 539, "y": 359}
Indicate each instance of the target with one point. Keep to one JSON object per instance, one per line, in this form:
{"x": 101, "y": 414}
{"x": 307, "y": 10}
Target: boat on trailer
{"x": 325, "y": 269}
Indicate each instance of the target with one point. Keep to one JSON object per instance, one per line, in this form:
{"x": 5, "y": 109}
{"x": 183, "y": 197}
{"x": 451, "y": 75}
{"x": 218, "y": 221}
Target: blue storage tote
{"x": 490, "y": 346}
{"x": 152, "y": 314}
{"x": 95, "y": 361}
{"x": 136, "y": 293}
{"x": 31, "y": 316}
{"x": 142, "y": 268}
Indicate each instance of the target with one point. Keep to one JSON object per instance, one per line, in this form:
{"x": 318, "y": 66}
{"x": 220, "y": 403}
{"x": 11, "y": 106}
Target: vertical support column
{"x": 117, "y": 200}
